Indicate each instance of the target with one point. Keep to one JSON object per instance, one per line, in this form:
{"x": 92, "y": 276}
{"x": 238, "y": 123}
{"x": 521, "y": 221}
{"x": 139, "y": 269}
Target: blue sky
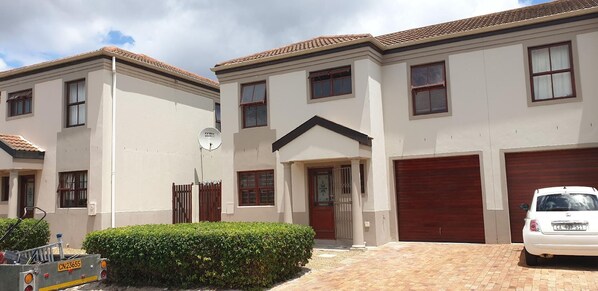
{"x": 195, "y": 35}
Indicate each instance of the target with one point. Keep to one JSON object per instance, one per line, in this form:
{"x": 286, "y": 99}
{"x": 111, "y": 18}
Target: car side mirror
{"x": 524, "y": 206}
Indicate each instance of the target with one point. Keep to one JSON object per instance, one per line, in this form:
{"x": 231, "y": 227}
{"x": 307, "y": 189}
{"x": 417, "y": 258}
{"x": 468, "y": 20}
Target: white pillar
{"x": 356, "y": 208}
{"x": 288, "y": 207}
{"x": 13, "y": 194}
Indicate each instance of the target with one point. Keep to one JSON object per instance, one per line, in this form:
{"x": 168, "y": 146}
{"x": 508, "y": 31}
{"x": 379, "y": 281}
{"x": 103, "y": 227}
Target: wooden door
{"x": 321, "y": 203}
{"x": 440, "y": 199}
{"x": 26, "y": 195}
{"x": 528, "y": 171}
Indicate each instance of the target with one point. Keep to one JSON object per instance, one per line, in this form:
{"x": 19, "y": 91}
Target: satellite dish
{"x": 210, "y": 139}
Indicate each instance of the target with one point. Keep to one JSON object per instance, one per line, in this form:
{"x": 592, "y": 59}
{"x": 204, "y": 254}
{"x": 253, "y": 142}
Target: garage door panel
{"x": 527, "y": 171}
{"x": 440, "y": 199}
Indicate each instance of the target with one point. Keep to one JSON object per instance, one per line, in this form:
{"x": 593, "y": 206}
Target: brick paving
{"x": 436, "y": 266}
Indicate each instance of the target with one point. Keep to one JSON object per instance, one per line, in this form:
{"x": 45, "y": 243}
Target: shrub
{"x": 27, "y": 232}
{"x": 221, "y": 254}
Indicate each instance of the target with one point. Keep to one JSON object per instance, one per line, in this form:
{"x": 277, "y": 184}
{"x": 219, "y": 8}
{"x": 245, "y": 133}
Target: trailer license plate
{"x": 70, "y": 265}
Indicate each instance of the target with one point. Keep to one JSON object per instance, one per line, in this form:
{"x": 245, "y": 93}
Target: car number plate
{"x": 70, "y": 265}
{"x": 570, "y": 227}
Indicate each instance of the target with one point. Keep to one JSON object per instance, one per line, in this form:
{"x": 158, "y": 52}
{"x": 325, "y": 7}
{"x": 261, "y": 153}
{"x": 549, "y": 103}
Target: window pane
{"x": 250, "y": 116}
{"x": 542, "y": 87}
{"x": 259, "y": 93}
{"x": 81, "y": 91}
{"x": 72, "y": 115}
{"x": 321, "y": 89}
{"x": 247, "y": 94}
{"x": 27, "y": 105}
{"x": 248, "y": 197}
{"x": 559, "y": 58}
{"x": 262, "y": 115}
{"x": 422, "y": 102}
{"x": 81, "y": 119}
{"x": 72, "y": 92}
{"x": 247, "y": 180}
{"x": 419, "y": 76}
{"x": 266, "y": 179}
{"x": 217, "y": 111}
{"x": 19, "y": 105}
{"x": 266, "y": 197}
{"x": 342, "y": 86}
{"x": 436, "y": 74}
{"x": 438, "y": 100}
{"x": 562, "y": 85}
{"x": 540, "y": 60}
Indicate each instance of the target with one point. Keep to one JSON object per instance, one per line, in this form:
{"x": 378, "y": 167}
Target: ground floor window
{"x": 73, "y": 189}
{"x": 4, "y": 196}
{"x": 256, "y": 188}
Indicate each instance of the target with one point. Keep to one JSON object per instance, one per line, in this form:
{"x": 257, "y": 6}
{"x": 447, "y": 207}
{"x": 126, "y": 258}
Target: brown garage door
{"x": 440, "y": 199}
{"x": 528, "y": 171}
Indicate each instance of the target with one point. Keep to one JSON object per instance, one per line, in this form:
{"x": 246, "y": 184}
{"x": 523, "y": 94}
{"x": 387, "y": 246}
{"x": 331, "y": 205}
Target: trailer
{"x": 47, "y": 267}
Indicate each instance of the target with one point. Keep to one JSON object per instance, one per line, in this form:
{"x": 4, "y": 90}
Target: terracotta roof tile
{"x": 428, "y": 33}
{"x": 318, "y": 42}
{"x": 18, "y": 143}
{"x": 119, "y": 54}
{"x": 485, "y": 21}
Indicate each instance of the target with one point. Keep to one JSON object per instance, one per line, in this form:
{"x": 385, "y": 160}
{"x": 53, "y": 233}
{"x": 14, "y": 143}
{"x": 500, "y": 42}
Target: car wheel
{"x": 530, "y": 260}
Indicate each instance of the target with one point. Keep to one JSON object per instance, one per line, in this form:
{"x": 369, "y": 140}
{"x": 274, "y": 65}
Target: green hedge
{"x": 32, "y": 236}
{"x": 218, "y": 254}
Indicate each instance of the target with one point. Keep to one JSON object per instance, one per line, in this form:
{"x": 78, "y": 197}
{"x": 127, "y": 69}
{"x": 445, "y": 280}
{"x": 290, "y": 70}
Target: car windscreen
{"x": 567, "y": 202}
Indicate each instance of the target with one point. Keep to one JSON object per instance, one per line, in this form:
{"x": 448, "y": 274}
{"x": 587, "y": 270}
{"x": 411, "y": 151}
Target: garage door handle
{"x": 440, "y": 231}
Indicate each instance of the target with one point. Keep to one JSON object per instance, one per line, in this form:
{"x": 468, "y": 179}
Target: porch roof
{"x": 321, "y": 139}
{"x": 361, "y": 138}
{"x": 20, "y": 148}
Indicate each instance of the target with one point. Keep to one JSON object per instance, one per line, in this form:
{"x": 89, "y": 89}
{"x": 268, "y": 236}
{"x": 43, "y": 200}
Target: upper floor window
{"x": 256, "y": 188}
{"x": 331, "y": 82}
{"x": 253, "y": 101}
{"x": 75, "y": 105}
{"x": 551, "y": 68}
{"x": 19, "y": 103}
{"x": 428, "y": 88}
{"x": 217, "y": 116}
{"x": 73, "y": 189}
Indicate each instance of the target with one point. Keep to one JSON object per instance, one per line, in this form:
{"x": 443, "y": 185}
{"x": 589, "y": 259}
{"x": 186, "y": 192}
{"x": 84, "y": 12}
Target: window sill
{"x": 9, "y": 118}
{"x": 429, "y": 115}
{"x": 256, "y": 206}
{"x": 330, "y": 98}
{"x": 3, "y": 202}
{"x": 561, "y": 100}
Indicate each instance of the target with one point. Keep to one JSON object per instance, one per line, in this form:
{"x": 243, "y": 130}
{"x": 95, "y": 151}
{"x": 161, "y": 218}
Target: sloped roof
{"x": 485, "y": 21}
{"x": 120, "y": 54}
{"x": 19, "y": 147}
{"x": 470, "y": 26}
{"x": 361, "y": 138}
{"x": 308, "y": 45}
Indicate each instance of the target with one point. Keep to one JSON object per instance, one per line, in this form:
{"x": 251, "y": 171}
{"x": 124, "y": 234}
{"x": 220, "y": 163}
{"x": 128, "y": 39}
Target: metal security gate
{"x": 342, "y": 202}
{"x": 209, "y": 201}
{"x": 181, "y": 203}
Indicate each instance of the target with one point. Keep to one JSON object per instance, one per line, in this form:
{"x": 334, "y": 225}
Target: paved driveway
{"x": 432, "y": 266}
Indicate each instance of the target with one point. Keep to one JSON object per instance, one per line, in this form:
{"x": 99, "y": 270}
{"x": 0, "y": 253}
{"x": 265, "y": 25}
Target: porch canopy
{"x": 321, "y": 139}
{"x": 19, "y": 154}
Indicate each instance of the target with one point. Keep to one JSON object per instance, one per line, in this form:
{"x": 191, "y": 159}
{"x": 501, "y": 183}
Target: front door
{"x": 27, "y": 190}
{"x": 321, "y": 203}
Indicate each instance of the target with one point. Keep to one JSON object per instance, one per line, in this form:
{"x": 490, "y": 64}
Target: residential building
{"x": 436, "y": 133}
{"x": 56, "y": 135}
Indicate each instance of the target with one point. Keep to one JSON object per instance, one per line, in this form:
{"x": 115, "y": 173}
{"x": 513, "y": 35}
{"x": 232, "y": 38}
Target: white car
{"x": 561, "y": 221}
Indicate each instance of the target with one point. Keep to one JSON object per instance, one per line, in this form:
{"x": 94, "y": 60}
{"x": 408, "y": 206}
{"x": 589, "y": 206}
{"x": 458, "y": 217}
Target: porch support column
{"x": 288, "y": 207}
{"x": 13, "y": 193}
{"x": 356, "y": 208}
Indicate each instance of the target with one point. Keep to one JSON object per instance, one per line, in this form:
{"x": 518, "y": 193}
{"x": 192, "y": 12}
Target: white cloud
{"x": 195, "y": 35}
